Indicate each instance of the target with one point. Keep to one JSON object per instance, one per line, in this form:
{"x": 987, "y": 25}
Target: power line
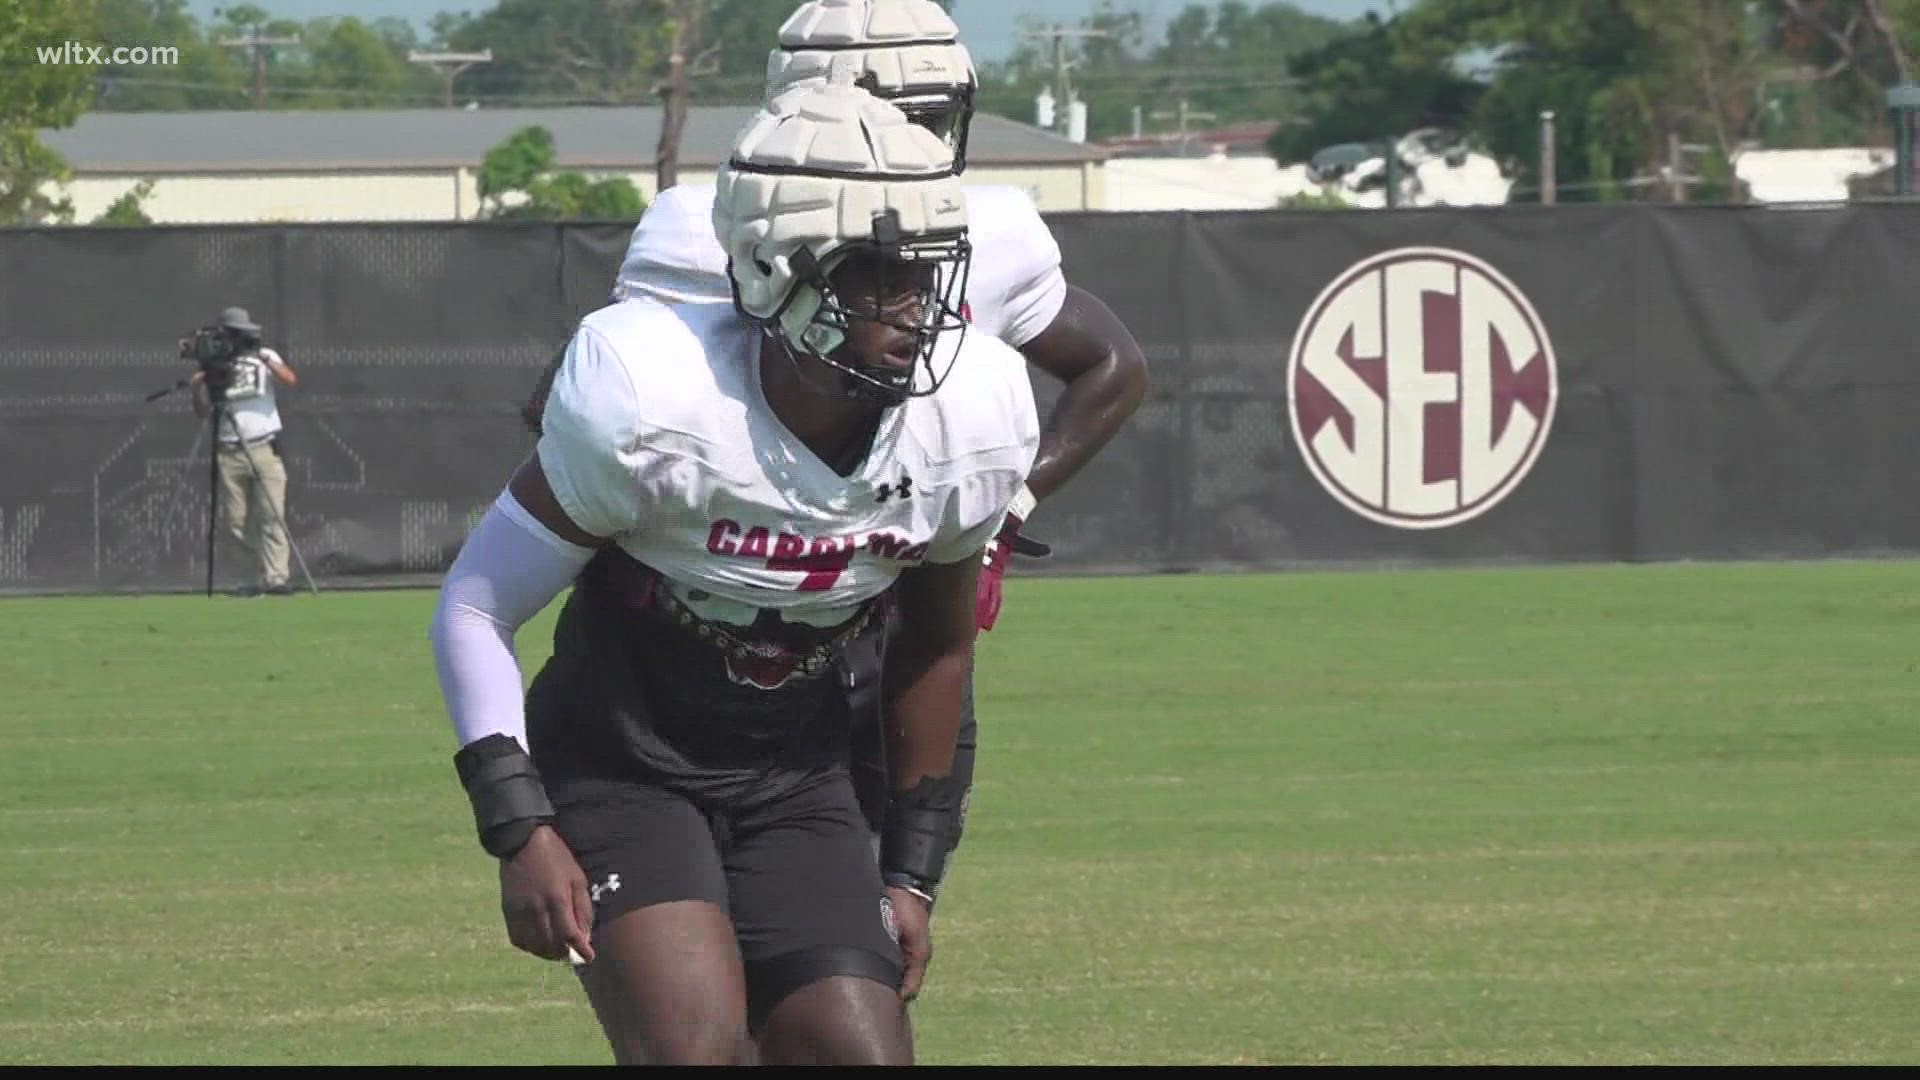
{"x": 450, "y": 65}
{"x": 1183, "y": 115}
{"x": 259, "y": 44}
{"x": 1063, "y": 114}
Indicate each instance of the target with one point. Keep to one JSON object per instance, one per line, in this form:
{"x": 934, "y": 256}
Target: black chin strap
{"x": 849, "y": 385}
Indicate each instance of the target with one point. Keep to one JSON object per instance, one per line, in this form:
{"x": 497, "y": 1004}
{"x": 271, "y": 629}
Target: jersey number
{"x": 822, "y": 569}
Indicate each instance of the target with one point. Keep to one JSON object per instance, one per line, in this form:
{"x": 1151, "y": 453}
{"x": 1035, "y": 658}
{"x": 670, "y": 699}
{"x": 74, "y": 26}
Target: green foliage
{"x": 127, "y": 210}
{"x": 27, "y": 169}
{"x": 1363, "y": 86}
{"x": 339, "y": 63}
{"x": 35, "y": 96}
{"x": 1621, "y": 77}
{"x": 1232, "y": 60}
{"x": 345, "y": 62}
{"x": 615, "y": 51}
{"x": 1313, "y": 200}
{"x": 572, "y": 196}
{"x": 208, "y": 76}
{"x": 522, "y": 164}
{"x": 515, "y": 163}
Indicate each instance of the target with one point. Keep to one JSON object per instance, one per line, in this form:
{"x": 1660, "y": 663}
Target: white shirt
{"x": 250, "y": 399}
{"x": 658, "y": 436}
{"x": 1014, "y": 285}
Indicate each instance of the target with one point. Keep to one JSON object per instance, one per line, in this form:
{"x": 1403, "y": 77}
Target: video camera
{"x": 209, "y": 346}
{"x": 214, "y": 348}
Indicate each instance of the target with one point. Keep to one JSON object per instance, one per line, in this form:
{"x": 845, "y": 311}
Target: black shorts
{"x": 794, "y": 870}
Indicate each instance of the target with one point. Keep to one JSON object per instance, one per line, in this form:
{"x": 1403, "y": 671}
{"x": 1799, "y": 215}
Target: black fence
{"x": 1420, "y": 386}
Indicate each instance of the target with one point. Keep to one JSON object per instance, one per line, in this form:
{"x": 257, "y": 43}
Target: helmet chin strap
{"x": 797, "y": 327}
{"x": 849, "y": 385}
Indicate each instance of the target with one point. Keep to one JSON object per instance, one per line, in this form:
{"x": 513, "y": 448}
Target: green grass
{"x": 1588, "y": 815}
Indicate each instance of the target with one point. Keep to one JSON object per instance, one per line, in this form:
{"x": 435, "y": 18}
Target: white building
{"x": 420, "y": 164}
{"x": 1806, "y": 176}
{"x": 1230, "y": 169}
{"x": 1218, "y": 181}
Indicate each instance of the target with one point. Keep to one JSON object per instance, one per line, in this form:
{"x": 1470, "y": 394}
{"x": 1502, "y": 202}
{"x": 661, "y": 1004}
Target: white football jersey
{"x": 1014, "y": 286}
{"x": 657, "y": 435}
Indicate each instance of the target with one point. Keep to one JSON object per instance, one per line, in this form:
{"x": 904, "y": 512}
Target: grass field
{"x": 1595, "y": 815}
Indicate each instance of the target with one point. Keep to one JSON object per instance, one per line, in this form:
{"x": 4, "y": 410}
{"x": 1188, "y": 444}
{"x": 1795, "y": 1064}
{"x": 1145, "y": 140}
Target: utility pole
{"x": 1903, "y": 107}
{"x": 449, "y": 65}
{"x": 688, "y": 18}
{"x": 1676, "y": 181}
{"x": 1063, "y": 86}
{"x": 1677, "y": 176}
{"x": 1548, "y": 196}
{"x": 1181, "y": 115}
{"x": 259, "y": 44}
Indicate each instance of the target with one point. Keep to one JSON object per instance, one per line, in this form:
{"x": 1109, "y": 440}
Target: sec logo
{"x": 1422, "y": 387}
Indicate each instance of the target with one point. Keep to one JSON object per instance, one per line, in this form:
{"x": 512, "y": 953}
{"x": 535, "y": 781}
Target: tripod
{"x": 217, "y": 408}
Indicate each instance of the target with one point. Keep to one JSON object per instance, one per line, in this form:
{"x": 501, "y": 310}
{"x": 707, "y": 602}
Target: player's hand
{"x": 999, "y": 551}
{"x": 914, "y": 923}
{"x": 543, "y": 895}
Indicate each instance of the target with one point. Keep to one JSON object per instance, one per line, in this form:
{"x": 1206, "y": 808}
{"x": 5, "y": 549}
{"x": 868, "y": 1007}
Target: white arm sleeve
{"x": 511, "y": 568}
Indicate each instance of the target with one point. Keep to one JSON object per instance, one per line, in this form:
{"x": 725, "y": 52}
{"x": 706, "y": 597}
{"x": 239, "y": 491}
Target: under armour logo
{"x": 904, "y": 489}
{"x": 609, "y": 886}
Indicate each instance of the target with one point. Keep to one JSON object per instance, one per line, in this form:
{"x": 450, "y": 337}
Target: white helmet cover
{"x": 825, "y": 171}
{"x": 905, "y": 51}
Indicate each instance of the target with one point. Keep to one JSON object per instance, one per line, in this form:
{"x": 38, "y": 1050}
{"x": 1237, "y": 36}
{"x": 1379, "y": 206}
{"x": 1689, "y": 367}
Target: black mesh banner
{"x": 1406, "y": 387}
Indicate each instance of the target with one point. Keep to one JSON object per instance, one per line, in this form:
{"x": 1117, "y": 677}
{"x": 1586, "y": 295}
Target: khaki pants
{"x": 256, "y": 507}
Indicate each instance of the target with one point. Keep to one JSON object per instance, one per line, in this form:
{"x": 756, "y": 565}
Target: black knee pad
{"x": 771, "y": 980}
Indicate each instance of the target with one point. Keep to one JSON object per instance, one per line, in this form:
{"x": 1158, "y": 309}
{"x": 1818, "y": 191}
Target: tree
{"x": 1366, "y": 85}
{"x": 1313, "y": 200}
{"x": 206, "y": 77}
{"x": 1621, "y": 77}
{"x": 1574, "y": 57}
{"x": 1233, "y": 60}
{"x": 1839, "y": 58}
{"x": 1107, "y": 72}
{"x": 675, "y": 42}
{"x": 345, "y": 63}
{"x": 1239, "y": 62}
{"x": 513, "y": 165}
{"x": 522, "y": 165}
{"x": 1627, "y": 80}
{"x": 338, "y": 63}
{"x": 127, "y": 209}
{"x": 616, "y": 52}
{"x": 35, "y": 96}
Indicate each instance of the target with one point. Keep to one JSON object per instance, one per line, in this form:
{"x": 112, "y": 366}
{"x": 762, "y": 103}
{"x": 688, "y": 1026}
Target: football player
{"x": 908, "y": 52}
{"x": 734, "y": 491}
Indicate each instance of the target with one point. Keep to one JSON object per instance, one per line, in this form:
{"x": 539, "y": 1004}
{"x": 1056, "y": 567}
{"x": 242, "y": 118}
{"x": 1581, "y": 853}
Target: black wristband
{"x": 508, "y": 799}
{"x": 917, "y": 831}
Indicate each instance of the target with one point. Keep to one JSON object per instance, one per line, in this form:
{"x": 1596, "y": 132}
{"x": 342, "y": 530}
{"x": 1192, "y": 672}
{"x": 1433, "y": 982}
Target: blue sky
{"x": 987, "y": 26}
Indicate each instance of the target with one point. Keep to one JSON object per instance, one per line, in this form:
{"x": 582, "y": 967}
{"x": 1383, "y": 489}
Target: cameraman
{"x": 253, "y": 480}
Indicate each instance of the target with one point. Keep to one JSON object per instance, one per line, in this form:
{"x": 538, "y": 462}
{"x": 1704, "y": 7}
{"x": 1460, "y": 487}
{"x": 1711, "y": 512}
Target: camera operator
{"x": 253, "y": 479}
